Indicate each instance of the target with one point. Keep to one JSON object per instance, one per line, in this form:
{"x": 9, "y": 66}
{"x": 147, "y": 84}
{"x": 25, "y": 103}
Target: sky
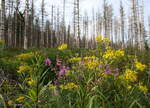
{"x": 89, "y": 5}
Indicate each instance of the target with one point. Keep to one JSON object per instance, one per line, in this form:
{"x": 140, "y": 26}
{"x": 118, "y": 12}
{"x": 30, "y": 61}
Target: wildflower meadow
{"x": 60, "y": 77}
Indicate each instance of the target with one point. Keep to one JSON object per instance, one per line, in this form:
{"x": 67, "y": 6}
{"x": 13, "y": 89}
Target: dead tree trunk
{"x": 26, "y": 24}
{"x": 2, "y": 19}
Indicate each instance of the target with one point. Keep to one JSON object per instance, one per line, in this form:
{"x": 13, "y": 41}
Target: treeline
{"x": 24, "y": 29}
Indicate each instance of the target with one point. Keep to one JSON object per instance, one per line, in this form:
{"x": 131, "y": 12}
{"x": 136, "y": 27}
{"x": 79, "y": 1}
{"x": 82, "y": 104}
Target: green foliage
{"x": 100, "y": 78}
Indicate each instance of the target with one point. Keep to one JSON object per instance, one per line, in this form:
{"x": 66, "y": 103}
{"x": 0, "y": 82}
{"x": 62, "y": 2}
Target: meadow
{"x": 60, "y": 77}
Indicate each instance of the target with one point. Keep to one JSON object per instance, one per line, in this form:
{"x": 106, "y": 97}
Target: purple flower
{"x": 58, "y": 62}
{"x": 63, "y": 71}
{"x": 108, "y": 70}
{"x": 100, "y": 66}
{"x": 56, "y": 82}
{"x": 82, "y": 62}
{"x": 116, "y": 74}
{"x": 47, "y": 62}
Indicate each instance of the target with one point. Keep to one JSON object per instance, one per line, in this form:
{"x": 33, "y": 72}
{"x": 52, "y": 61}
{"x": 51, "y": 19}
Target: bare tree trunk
{"x": 42, "y": 30}
{"x": 2, "y": 19}
{"x": 32, "y": 25}
{"x": 52, "y": 26}
{"x": 68, "y": 36}
{"x": 141, "y": 41}
{"x": 10, "y": 23}
{"x": 122, "y": 24}
{"x": 105, "y": 19}
{"x": 26, "y": 25}
{"x": 149, "y": 24}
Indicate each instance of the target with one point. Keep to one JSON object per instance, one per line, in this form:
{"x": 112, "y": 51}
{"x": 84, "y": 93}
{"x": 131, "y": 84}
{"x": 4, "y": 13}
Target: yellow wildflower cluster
{"x": 91, "y": 64}
{"x": 2, "y": 41}
{"x": 129, "y": 75}
{"x": 140, "y": 66}
{"x": 69, "y": 86}
{"x": 112, "y": 54}
{"x": 25, "y": 56}
{"x": 24, "y": 68}
{"x": 10, "y": 102}
{"x": 75, "y": 59}
{"x": 68, "y": 72}
{"x": 100, "y": 39}
{"x": 20, "y": 99}
{"x": 63, "y": 47}
{"x": 108, "y": 48}
{"x": 90, "y": 58}
{"x": 30, "y": 81}
{"x": 106, "y": 40}
{"x": 143, "y": 88}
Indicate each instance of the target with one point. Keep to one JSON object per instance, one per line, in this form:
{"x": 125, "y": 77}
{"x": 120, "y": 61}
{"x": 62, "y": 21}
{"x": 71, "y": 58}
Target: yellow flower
{"x": 129, "y": 75}
{"x": 112, "y": 54}
{"x": 119, "y": 53}
{"x": 75, "y": 59}
{"x": 106, "y": 40}
{"x": 10, "y": 102}
{"x": 91, "y": 64}
{"x": 140, "y": 66}
{"x": 30, "y": 70}
{"x": 52, "y": 86}
{"x": 90, "y": 58}
{"x": 129, "y": 87}
{"x": 99, "y": 38}
{"x": 30, "y": 81}
{"x": 143, "y": 88}
{"x": 20, "y": 99}
{"x": 108, "y": 48}
{"x": 23, "y": 68}
{"x": 68, "y": 72}
{"x": 69, "y": 86}
{"x": 63, "y": 47}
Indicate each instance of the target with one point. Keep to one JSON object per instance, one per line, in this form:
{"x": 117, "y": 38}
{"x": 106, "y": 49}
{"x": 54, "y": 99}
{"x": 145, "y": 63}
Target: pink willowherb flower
{"x": 56, "y": 82}
{"x": 47, "y": 62}
{"x": 58, "y": 62}
{"x": 116, "y": 72}
{"x": 63, "y": 71}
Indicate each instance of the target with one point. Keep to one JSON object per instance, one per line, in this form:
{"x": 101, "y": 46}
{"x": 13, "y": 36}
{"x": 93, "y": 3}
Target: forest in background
{"x": 21, "y": 27}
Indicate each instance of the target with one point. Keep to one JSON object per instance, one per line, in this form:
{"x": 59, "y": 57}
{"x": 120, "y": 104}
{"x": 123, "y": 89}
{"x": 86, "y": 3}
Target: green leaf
{"x": 2, "y": 101}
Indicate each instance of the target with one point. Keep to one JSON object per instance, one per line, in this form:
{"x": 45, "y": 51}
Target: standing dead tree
{"x": 122, "y": 24}
{"x": 2, "y": 19}
{"x": 77, "y": 22}
{"x": 26, "y": 24}
{"x": 42, "y": 27}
